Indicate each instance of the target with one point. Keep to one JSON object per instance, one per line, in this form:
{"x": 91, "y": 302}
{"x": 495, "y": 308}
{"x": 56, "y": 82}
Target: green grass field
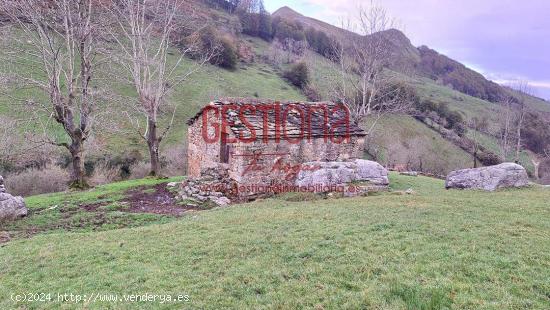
{"x": 435, "y": 249}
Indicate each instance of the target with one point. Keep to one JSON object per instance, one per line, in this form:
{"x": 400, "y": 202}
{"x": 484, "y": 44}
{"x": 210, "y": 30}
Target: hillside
{"x": 435, "y": 249}
{"x": 257, "y": 75}
{"x": 288, "y": 13}
{"x": 422, "y": 60}
{"x": 404, "y": 56}
{"x": 450, "y": 72}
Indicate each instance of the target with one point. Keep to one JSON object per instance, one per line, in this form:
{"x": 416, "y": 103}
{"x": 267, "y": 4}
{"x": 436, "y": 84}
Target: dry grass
{"x": 38, "y": 181}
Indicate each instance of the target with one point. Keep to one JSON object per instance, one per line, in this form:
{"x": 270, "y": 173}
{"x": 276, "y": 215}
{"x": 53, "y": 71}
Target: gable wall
{"x": 200, "y": 155}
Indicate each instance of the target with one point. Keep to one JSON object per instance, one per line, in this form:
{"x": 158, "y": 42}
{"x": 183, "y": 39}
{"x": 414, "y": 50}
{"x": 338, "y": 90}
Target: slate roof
{"x": 335, "y": 118}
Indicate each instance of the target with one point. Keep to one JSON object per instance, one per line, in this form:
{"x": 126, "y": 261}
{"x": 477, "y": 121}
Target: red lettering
{"x": 285, "y": 122}
{"x": 216, "y": 126}
{"x": 227, "y": 122}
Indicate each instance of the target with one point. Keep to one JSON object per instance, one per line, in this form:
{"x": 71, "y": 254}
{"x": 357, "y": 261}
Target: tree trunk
{"x": 536, "y": 164}
{"x": 153, "y": 144}
{"x": 520, "y": 124}
{"x": 78, "y": 175}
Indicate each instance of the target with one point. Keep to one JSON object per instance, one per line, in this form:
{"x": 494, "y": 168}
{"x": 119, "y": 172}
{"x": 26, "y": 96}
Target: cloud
{"x": 536, "y": 84}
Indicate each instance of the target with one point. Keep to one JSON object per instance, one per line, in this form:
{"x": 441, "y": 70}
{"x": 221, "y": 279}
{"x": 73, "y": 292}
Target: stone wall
{"x": 275, "y": 161}
{"x": 278, "y": 163}
{"x": 200, "y": 155}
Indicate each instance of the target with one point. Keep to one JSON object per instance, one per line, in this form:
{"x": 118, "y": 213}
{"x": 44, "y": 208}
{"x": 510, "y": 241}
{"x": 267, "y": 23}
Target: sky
{"x": 505, "y": 40}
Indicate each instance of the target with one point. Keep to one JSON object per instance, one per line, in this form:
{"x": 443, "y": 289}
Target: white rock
{"x": 507, "y": 175}
{"x": 338, "y": 173}
{"x": 221, "y": 201}
{"x": 10, "y": 207}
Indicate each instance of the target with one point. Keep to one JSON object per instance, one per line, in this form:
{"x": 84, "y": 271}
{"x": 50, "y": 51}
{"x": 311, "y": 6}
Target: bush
{"x": 460, "y": 129}
{"x": 140, "y": 170}
{"x": 320, "y": 42}
{"x": 174, "y": 161}
{"x": 311, "y": 93}
{"x": 488, "y": 158}
{"x": 536, "y": 133}
{"x": 104, "y": 174}
{"x": 38, "y": 181}
{"x": 298, "y": 74}
{"x": 284, "y": 29}
{"x": 227, "y": 57}
{"x": 226, "y": 51}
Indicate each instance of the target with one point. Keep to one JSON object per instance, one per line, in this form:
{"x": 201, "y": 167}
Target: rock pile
{"x": 358, "y": 172}
{"x": 214, "y": 186}
{"x": 10, "y": 207}
{"x": 507, "y": 175}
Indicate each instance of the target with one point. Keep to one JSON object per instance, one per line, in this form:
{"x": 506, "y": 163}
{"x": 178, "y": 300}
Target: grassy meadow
{"x": 434, "y": 249}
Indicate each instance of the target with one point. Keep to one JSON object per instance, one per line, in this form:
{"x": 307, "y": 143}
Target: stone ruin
{"x": 214, "y": 187}
{"x": 11, "y": 207}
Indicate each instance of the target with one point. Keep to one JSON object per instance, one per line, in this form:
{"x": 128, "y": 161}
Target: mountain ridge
{"x": 423, "y": 60}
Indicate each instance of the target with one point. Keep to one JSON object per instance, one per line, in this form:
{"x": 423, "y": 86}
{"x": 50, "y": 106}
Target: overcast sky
{"x": 505, "y": 40}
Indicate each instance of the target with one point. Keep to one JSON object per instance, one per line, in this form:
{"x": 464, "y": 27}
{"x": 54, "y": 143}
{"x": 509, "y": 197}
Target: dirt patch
{"x": 4, "y": 237}
{"x": 158, "y": 200}
{"x": 105, "y": 215}
{"x": 155, "y": 200}
{"x": 93, "y": 207}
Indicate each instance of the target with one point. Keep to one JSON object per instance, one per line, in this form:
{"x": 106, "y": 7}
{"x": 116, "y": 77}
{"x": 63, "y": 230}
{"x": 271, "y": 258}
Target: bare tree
{"x": 364, "y": 84}
{"x": 7, "y": 143}
{"x": 505, "y": 128}
{"x": 524, "y": 91}
{"x": 475, "y": 145}
{"x": 57, "y": 39}
{"x": 144, "y": 30}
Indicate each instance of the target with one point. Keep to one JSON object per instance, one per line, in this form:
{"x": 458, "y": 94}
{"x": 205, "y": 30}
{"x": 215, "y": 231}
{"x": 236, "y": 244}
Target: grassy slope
{"x": 64, "y": 212}
{"x": 262, "y": 80}
{"x": 492, "y": 144}
{"x": 404, "y": 133}
{"x": 248, "y": 80}
{"x": 406, "y": 140}
{"x": 433, "y": 249}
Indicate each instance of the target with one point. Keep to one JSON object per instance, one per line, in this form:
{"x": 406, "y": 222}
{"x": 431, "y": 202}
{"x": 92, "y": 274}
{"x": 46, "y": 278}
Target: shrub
{"x": 284, "y": 29}
{"x": 38, "y": 181}
{"x": 225, "y": 50}
{"x": 488, "y": 158}
{"x": 454, "y": 118}
{"x": 227, "y": 57}
{"x": 320, "y": 42}
{"x": 311, "y": 93}
{"x": 536, "y": 133}
{"x": 460, "y": 129}
{"x": 104, "y": 174}
{"x": 174, "y": 161}
{"x": 298, "y": 74}
{"x": 140, "y": 170}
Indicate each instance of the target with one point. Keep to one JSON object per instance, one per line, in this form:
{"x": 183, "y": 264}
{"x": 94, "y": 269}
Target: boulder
{"x": 10, "y": 207}
{"x": 507, "y": 175}
{"x": 340, "y": 173}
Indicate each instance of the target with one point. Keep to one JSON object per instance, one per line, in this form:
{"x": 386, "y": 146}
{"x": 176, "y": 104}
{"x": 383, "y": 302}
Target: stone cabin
{"x": 264, "y": 142}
